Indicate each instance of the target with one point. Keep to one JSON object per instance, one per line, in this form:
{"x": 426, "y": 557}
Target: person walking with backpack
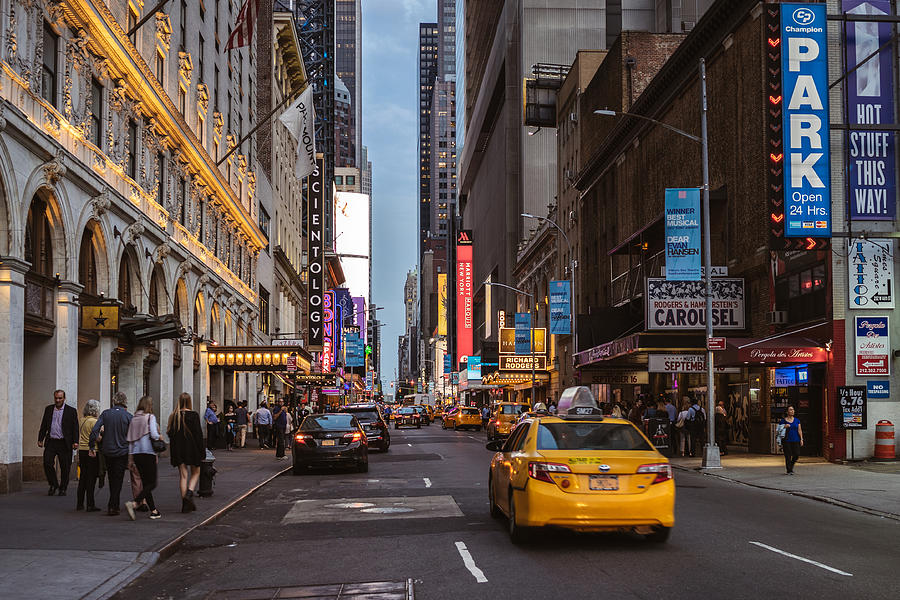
{"x": 680, "y": 425}
{"x": 142, "y": 429}
{"x": 697, "y": 424}
{"x": 793, "y": 439}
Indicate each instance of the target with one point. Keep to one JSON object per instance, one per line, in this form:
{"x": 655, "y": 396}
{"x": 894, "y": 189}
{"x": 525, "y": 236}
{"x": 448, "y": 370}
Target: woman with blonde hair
{"x": 142, "y": 429}
{"x": 88, "y": 461}
{"x": 186, "y": 449}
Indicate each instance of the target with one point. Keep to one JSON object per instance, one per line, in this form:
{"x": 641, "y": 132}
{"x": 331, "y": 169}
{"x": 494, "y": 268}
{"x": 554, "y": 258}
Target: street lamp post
{"x": 711, "y": 456}
{"x": 533, "y": 316}
{"x": 573, "y": 262}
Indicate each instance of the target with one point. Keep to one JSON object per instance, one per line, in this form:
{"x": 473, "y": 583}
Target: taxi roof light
{"x": 578, "y": 401}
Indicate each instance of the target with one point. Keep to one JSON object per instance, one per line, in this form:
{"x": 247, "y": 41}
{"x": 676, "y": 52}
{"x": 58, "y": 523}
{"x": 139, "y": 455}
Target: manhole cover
{"x": 384, "y": 510}
{"x": 350, "y": 505}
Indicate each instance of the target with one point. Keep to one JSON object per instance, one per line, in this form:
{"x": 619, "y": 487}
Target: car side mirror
{"x": 494, "y": 446}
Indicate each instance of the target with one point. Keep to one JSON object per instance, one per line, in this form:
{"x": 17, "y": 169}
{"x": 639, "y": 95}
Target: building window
{"x": 48, "y": 77}
{"x": 182, "y": 211}
{"x": 200, "y": 54}
{"x": 132, "y": 148}
{"x": 264, "y": 221}
{"x": 182, "y": 100}
{"x": 339, "y": 180}
{"x": 132, "y": 21}
{"x": 351, "y": 179}
{"x": 263, "y": 310}
{"x": 183, "y": 25}
{"x": 96, "y": 111}
{"x": 202, "y": 216}
{"x": 201, "y": 129}
{"x": 161, "y": 182}
{"x": 160, "y": 66}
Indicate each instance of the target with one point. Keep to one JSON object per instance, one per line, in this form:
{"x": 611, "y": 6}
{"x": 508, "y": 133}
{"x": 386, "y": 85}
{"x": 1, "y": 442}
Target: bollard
{"x": 884, "y": 440}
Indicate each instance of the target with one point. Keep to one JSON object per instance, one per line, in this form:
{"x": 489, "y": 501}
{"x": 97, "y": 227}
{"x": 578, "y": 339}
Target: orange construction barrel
{"x": 884, "y": 440}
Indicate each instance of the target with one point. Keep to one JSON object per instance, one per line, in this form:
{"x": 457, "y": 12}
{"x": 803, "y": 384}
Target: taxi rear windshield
{"x": 589, "y": 436}
{"x": 328, "y": 422}
{"x": 470, "y": 411}
{"x": 363, "y": 414}
{"x": 513, "y": 409}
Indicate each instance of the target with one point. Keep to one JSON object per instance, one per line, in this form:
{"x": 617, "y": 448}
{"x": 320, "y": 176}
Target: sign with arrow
{"x": 873, "y": 346}
{"x": 871, "y": 276}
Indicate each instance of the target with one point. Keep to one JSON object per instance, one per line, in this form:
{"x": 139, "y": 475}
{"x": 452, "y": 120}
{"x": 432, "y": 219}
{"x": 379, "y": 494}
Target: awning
{"x": 512, "y": 378}
{"x": 806, "y": 345}
{"x": 632, "y": 349}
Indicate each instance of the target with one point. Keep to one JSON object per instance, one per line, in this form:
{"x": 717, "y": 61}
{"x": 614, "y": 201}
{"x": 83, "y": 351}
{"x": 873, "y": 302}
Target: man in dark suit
{"x": 58, "y": 436}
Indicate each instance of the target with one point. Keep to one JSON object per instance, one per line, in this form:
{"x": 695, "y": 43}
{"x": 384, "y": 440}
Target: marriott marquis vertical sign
{"x": 804, "y": 66}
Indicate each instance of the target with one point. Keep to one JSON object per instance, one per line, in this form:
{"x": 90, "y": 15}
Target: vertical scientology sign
{"x": 315, "y": 244}
{"x": 804, "y": 64}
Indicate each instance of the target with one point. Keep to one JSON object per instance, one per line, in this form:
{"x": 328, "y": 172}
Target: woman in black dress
{"x": 186, "y": 449}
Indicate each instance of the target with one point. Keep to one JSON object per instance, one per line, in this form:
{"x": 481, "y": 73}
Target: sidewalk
{"x": 50, "y": 550}
{"x": 864, "y": 486}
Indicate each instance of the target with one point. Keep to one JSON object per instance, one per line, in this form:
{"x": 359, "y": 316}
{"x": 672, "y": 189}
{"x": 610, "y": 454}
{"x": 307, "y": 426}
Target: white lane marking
{"x": 473, "y": 437}
{"x": 802, "y": 559}
{"x": 410, "y": 445}
{"x": 470, "y": 563}
{"x": 427, "y": 482}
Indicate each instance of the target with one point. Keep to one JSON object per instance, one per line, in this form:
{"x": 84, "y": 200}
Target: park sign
{"x": 683, "y": 234}
{"x": 804, "y": 72}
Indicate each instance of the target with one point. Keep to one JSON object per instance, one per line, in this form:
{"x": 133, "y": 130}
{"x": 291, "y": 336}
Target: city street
{"x": 421, "y": 514}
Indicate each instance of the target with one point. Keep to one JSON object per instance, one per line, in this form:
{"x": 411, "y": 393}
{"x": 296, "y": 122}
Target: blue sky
{"x": 390, "y": 101}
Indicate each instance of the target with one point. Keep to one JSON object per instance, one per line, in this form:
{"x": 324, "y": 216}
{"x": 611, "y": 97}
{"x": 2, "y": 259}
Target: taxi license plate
{"x": 604, "y": 482}
{"x": 328, "y": 442}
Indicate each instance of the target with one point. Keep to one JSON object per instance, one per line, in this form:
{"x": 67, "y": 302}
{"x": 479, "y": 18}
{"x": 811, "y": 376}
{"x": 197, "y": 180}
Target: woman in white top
{"x": 142, "y": 429}
{"x": 684, "y": 436}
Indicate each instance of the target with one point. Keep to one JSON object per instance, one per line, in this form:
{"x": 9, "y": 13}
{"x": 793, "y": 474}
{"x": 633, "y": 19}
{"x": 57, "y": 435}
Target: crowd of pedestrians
{"x": 111, "y": 442}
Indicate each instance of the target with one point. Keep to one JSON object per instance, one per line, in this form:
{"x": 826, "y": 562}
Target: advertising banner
{"x": 616, "y": 377}
{"x": 354, "y": 355}
{"x": 523, "y": 333}
{"x": 871, "y": 278}
{"x": 328, "y": 348}
{"x": 443, "y": 304}
{"x": 683, "y": 234}
{"x": 316, "y": 248}
{"x": 560, "y": 307}
{"x": 358, "y": 317}
{"x": 508, "y": 340}
{"x": 474, "y": 368}
{"x": 682, "y": 363}
{"x": 870, "y": 101}
{"x": 804, "y": 68}
{"x": 464, "y": 275}
{"x": 522, "y": 363}
{"x": 682, "y": 304}
{"x": 873, "y": 346}
{"x": 851, "y": 407}
{"x": 448, "y": 363}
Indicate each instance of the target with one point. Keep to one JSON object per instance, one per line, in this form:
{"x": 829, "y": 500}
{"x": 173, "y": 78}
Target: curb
{"x": 146, "y": 560}
{"x": 824, "y": 499}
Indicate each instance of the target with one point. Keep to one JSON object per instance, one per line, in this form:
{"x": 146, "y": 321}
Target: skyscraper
{"x": 348, "y": 68}
{"x": 428, "y": 63}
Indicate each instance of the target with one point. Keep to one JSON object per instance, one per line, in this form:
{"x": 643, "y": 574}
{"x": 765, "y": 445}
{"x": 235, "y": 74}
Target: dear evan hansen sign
{"x": 804, "y": 68}
{"x": 683, "y": 234}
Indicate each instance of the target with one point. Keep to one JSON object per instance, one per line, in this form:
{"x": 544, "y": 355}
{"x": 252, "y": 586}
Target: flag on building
{"x": 242, "y": 33}
{"x": 300, "y": 119}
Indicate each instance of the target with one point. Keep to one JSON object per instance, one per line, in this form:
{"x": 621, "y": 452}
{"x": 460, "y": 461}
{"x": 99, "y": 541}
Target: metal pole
{"x": 711, "y": 458}
{"x": 533, "y": 317}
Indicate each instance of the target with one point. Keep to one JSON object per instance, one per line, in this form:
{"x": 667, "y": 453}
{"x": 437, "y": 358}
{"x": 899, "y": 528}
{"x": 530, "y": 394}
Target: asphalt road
{"x": 409, "y": 515}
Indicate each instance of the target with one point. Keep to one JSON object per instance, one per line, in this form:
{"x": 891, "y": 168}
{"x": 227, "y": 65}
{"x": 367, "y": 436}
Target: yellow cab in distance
{"x": 462, "y": 417}
{"x": 581, "y": 471}
{"x": 431, "y": 414}
{"x": 503, "y": 418}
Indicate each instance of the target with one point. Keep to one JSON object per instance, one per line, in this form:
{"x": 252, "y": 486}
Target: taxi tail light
{"x": 352, "y": 437}
{"x": 541, "y": 470}
{"x": 663, "y": 471}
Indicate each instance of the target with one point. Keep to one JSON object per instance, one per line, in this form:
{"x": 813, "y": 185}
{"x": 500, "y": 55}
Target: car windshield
{"x": 407, "y": 411}
{"x": 589, "y": 436}
{"x": 513, "y": 409}
{"x": 328, "y": 422}
{"x": 470, "y": 411}
{"x": 363, "y": 414}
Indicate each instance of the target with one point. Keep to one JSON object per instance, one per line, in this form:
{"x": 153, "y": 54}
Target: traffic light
{"x": 368, "y": 349}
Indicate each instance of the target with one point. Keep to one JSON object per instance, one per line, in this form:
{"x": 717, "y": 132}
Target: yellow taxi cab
{"x": 581, "y": 471}
{"x": 462, "y": 417}
{"x": 448, "y": 412}
{"x": 430, "y": 410}
{"x": 503, "y": 418}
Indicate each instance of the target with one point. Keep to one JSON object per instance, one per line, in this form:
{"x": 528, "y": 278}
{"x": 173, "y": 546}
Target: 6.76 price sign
{"x": 851, "y": 407}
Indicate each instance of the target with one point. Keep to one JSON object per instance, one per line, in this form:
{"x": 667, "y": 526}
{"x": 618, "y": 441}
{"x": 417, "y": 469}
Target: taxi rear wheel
{"x": 495, "y": 510}
{"x": 659, "y": 535}
{"x": 517, "y": 534}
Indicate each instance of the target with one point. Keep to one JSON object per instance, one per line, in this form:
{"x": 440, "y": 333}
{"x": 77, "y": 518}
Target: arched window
{"x": 154, "y": 294}
{"x": 87, "y": 263}
{"x": 39, "y": 239}
{"x": 125, "y": 283}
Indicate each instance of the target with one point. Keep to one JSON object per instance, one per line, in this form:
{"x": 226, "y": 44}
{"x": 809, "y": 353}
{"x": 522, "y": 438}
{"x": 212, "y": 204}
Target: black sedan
{"x": 407, "y": 417}
{"x": 330, "y": 440}
{"x": 373, "y": 423}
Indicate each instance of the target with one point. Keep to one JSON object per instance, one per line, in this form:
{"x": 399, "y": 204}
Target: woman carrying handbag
{"x": 143, "y": 435}
{"x": 187, "y": 451}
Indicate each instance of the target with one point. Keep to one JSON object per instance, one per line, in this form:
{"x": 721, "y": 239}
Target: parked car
{"x": 330, "y": 440}
{"x": 407, "y": 417}
{"x": 373, "y": 423}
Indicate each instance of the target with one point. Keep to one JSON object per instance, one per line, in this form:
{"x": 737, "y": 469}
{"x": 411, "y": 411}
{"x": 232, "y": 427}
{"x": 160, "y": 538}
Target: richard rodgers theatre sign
{"x": 681, "y": 304}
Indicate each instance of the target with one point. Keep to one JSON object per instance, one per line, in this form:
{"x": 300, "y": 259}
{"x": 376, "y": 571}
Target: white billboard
{"x": 351, "y": 240}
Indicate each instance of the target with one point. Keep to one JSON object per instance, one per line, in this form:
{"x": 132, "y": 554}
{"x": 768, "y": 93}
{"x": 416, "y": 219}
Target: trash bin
{"x": 207, "y": 476}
